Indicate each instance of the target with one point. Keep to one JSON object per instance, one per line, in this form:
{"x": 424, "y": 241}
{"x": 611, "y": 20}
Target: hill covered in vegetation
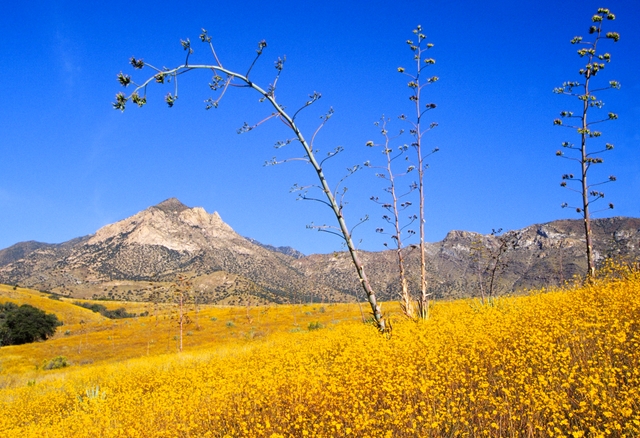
{"x": 552, "y": 363}
{"x": 137, "y": 259}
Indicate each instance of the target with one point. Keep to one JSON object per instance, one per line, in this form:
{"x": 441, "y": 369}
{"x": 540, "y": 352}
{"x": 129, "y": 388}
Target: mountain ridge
{"x": 122, "y": 260}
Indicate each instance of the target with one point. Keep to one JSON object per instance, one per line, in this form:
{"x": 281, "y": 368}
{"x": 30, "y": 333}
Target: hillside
{"x": 66, "y": 312}
{"x": 86, "y": 337}
{"x": 544, "y": 255}
{"x": 153, "y": 246}
{"x": 560, "y": 363}
{"x": 138, "y": 258}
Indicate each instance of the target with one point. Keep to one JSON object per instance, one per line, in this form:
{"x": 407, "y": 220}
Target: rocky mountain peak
{"x": 457, "y": 235}
{"x": 170, "y": 224}
{"x": 171, "y": 206}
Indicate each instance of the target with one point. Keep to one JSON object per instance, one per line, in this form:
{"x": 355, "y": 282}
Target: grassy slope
{"x": 87, "y": 337}
{"x": 563, "y": 363}
{"x": 64, "y": 310}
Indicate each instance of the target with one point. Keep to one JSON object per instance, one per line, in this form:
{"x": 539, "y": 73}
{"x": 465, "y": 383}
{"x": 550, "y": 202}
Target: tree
{"x": 5, "y": 334}
{"x": 416, "y": 84}
{"x": 182, "y": 289}
{"x": 394, "y": 206}
{"x": 584, "y": 91}
{"x": 489, "y": 259}
{"x": 25, "y": 324}
{"x": 224, "y": 78}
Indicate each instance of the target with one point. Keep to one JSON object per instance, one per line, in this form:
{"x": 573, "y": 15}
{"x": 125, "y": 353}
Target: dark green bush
{"x": 25, "y": 324}
{"x": 102, "y": 310}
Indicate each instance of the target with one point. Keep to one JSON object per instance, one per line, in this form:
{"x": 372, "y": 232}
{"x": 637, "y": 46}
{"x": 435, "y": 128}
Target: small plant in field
{"x": 101, "y": 309}
{"x": 230, "y": 324}
{"x": 315, "y": 325}
{"x": 93, "y": 394}
{"x": 585, "y": 92}
{"x": 55, "y": 363}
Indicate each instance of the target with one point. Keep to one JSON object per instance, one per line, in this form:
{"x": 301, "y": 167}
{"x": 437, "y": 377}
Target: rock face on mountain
{"x": 139, "y": 257}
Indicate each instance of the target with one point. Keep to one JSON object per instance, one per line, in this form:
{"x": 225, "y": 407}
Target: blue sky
{"x": 71, "y": 164}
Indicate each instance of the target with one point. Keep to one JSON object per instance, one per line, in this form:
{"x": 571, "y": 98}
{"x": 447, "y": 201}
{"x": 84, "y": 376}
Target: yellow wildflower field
{"x": 552, "y": 363}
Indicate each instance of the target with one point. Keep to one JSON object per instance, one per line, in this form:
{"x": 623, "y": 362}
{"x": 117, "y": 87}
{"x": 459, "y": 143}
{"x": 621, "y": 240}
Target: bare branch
{"x": 324, "y": 118}
{"x": 327, "y": 229}
{"x": 332, "y": 154}
{"x": 261, "y": 45}
{"x": 312, "y": 98}
{"x": 304, "y": 197}
{"x": 362, "y": 221}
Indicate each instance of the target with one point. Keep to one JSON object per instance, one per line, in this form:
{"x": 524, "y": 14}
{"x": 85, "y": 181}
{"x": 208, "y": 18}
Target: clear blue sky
{"x": 71, "y": 164}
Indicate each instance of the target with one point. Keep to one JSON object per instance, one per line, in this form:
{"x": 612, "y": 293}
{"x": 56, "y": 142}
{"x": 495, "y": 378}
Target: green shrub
{"x": 55, "y": 363}
{"x": 118, "y": 313}
{"x": 25, "y": 324}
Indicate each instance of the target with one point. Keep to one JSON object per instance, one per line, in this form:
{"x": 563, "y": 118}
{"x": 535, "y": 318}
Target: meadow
{"x": 551, "y": 363}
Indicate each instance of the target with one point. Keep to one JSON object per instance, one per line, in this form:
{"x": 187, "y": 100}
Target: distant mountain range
{"x": 138, "y": 258}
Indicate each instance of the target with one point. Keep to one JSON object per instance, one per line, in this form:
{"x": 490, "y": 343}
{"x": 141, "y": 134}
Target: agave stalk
{"x": 416, "y": 84}
{"x": 586, "y": 94}
{"x": 223, "y": 78}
